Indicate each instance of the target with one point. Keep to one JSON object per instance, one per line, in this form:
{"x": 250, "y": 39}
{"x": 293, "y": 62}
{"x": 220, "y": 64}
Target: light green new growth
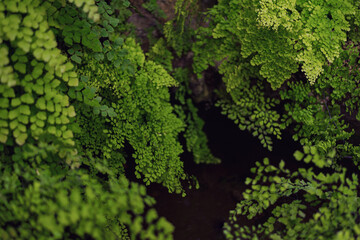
{"x": 317, "y": 108}
{"x": 279, "y": 36}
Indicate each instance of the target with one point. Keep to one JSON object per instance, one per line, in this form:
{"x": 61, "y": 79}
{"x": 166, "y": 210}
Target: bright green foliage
{"x": 35, "y": 204}
{"x": 278, "y": 36}
{"x": 80, "y": 100}
{"x": 52, "y": 187}
{"x": 32, "y": 68}
{"x": 318, "y": 27}
{"x": 317, "y": 109}
{"x": 267, "y": 39}
{"x": 252, "y": 111}
{"x": 304, "y": 204}
{"x": 140, "y": 99}
{"x": 245, "y": 102}
{"x": 79, "y": 31}
{"x": 251, "y": 42}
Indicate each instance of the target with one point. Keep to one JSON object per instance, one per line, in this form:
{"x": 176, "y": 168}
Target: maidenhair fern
{"x": 32, "y": 69}
{"x": 54, "y": 182}
{"x": 196, "y": 140}
{"x": 254, "y": 42}
{"x": 279, "y": 36}
{"x": 177, "y": 35}
{"x": 303, "y": 204}
{"x": 73, "y": 204}
{"x": 143, "y": 115}
{"x": 252, "y": 111}
{"x": 320, "y": 110}
{"x": 161, "y": 55}
{"x": 81, "y": 104}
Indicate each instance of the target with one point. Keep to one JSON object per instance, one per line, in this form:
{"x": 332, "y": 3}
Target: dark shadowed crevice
{"x": 201, "y": 214}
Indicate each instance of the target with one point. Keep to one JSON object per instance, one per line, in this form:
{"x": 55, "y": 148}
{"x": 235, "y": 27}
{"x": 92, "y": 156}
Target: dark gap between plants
{"x": 201, "y": 214}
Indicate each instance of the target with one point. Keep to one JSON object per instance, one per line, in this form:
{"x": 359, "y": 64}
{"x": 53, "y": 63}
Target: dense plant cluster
{"x": 280, "y": 36}
{"x": 83, "y": 107}
{"x": 256, "y": 43}
{"x": 318, "y": 109}
{"x": 73, "y": 93}
{"x": 304, "y": 204}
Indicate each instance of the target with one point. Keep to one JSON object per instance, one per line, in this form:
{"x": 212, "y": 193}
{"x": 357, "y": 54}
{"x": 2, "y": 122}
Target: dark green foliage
{"x": 196, "y": 140}
{"x": 206, "y": 51}
{"x": 320, "y": 110}
{"x": 252, "y": 111}
{"x": 80, "y": 100}
{"x": 254, "y": 42}
{"x": 153, "y": 7}
{"x": 245, "y": 103}
{"x": 304, "y": 204}
{"x": 78, "y": 31}
{"x": 177, "y": 31}
{"x": 273, "y": 39}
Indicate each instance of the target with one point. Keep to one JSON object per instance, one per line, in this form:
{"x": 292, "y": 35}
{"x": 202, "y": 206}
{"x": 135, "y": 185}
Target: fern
{"x": 297, "y": 203}
{"x": 144, "y": 116}
{"x": 279, "y": 36}
{"x": 317, "y": 109}
{"x": 177, "y": 36}
{"x": 196, "y": 140}
{"x": 252, "y": 111}
{"x": 56, "y": 183}
{"x": 72, "y": 204}
{"x": 161, "y": 55}
{"x": 153, "y": 7}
